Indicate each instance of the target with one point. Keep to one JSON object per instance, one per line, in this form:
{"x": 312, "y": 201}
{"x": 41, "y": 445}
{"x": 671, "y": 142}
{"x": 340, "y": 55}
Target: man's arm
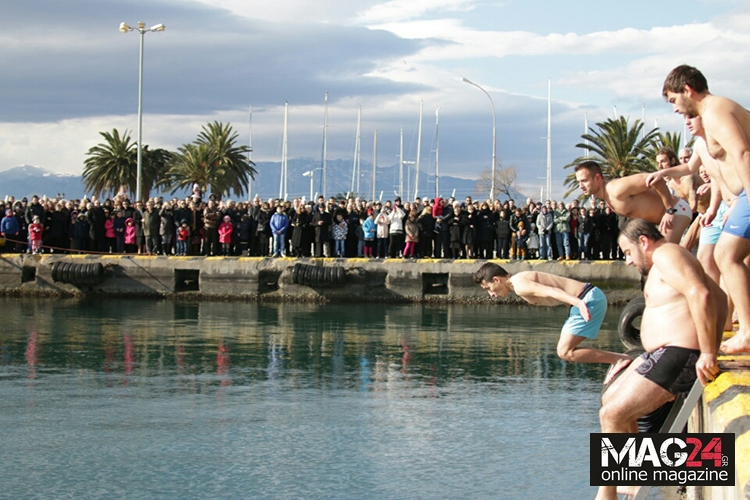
{"x": 687, "y": 278}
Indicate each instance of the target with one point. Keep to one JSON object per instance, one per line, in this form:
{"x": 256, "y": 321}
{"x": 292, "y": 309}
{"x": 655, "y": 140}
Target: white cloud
{"x": 398, "y": 10}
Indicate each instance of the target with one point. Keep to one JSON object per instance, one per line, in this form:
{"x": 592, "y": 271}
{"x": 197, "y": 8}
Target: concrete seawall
{"x": 254, "y": 278}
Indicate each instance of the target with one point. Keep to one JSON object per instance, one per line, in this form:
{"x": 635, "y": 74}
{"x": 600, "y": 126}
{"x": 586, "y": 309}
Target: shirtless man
{"x": 723, "y": 193}
{"x": 681, "y": 329}
{"x": 685, "y": 186}
{"x": 727, "y": 126}
{"x": 631, "y": 197}
{"x": 588, "y": 306}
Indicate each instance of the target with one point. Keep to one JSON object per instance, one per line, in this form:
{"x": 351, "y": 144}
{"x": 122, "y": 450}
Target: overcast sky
{"x": 68, "y": 73}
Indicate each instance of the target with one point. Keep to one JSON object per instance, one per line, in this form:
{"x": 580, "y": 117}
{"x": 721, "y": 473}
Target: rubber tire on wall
{"x": 630, "y": 335}
{"x": 295, "y": 273}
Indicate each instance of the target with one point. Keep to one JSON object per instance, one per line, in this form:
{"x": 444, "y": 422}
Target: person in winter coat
{"x": 396, "y": 236}
{"x": 118, "y": 224}
{"x": 411, "y": 228}
{"x": 279, "y": 224}
{"x": 426, "y": 223}
{"x": 383, "y": 224}
{"x": 10, "y": 229}
{"x": 36, "y": 231}
{"x": 130, "y": 236}
{"x": 226, "y": 228}
{"x": 183, "y": 237}
{"x": 300, "y": 224}
{"x": 502, "y": 230}
{"x": 369, "y": 229}
{"x": 545, "y": 222}
{"x": 339, "y": 235}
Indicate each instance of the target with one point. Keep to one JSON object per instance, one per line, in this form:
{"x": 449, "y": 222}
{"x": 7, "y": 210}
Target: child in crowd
{"x": 129, "y": 236}
{"x": 533, "y": 242}
{"x": 412, "y": 234}
{"x": 361, "y": 237}
{"x": 35, "y": 235}
{"x": 588, "y": 307}
{"x": 119, "y": 227}
{"x": 225, "y": 235}
{"x": 339, "y": 235}
{"x": 369, "y": 228}
{"x": 522, "y": 236}
{"x": 183, "y": 237}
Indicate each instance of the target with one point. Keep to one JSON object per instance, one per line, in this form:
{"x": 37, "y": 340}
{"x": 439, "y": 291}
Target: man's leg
{"x": 679, "y": 225}
{"x": 629, "y": 397}
{"x": 730, "y": 253}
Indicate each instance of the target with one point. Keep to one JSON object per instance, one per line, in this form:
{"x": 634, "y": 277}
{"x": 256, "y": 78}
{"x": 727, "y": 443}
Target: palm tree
{"x": 192, "y": 164}
{"x": 671, "y": 140}
{"x": 111, "y": 165}
{"x": 231, "y": 169}
{"x": 618, "y": 147}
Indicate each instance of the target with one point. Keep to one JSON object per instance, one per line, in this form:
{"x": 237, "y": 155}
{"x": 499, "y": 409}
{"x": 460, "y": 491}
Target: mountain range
{"x": 27, "y": 180}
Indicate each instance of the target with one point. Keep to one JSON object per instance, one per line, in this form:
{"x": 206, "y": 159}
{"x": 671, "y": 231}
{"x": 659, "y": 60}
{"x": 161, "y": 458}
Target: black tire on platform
{"x": 339, "y": 276}
{"x": 329, "y": 276}
{"x": 96, "y": 272}
{"x": 78, "y": 274}
{"x": 307, "y": 275}
{"x": 66, "y": 272}
{"x": 319, "y": 276}
{"x": 56, "y": 271}
{"x": 295, "y": 273}
{"x": 629, "y": 327}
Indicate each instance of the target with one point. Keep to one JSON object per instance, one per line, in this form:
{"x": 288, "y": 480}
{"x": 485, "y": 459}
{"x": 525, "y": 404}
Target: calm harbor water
{"x": 157, "y": 399}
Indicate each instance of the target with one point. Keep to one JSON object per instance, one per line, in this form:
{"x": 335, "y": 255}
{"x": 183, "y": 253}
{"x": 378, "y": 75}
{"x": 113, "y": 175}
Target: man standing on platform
{"x": 681, "y": 329}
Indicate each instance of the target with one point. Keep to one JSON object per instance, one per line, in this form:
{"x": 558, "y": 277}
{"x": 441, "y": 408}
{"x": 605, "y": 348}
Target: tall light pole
{"x": 310, "y": 174}
{"x": 142, "y": 30}
{"x": 494, "y": 141}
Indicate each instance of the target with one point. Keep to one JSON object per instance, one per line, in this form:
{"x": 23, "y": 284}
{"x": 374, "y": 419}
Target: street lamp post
{"x": 124, "y": 28}
{"x": 494, "y": 141}
{"x": 310, "y": 174}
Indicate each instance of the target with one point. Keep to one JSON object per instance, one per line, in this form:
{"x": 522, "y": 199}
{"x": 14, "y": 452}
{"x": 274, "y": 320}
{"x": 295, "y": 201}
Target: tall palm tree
{"x": 192, "y": 164}
{"x": 671, "y": 140}
{"x": 111, "y": 165}
{"x": 232, "y": 170}
{"x": 617, "y": 147}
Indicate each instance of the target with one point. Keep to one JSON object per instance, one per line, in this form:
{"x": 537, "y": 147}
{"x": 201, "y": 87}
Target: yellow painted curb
{"x": 723, "y": 382}
{"x": 738, "y": 406}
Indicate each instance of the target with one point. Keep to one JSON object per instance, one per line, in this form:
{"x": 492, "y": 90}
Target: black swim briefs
{"x": 670, "y": 367}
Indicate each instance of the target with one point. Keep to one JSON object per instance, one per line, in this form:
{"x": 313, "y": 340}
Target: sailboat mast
{"x": 437, "y": 152}
{"x": 359, "y": 149}
{"x": 374, "y": 162}
{"x": 419, "y": 151}
{"x": 325, "y": 146}
{"x": 401, "y": 165}
{"x": 283, "y": 192}
{"x": 250, "y": 151}
{"x": 549, "y": 138}
{"x": 586, "y": 131}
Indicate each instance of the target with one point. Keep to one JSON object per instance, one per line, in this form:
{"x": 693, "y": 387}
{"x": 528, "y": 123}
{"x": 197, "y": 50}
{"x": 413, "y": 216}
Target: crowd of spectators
{"x": 424, "y": 228}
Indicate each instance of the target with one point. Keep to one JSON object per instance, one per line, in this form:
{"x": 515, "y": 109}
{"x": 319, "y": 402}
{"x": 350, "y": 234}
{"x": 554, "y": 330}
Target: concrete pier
{"x": 255, "y": 278}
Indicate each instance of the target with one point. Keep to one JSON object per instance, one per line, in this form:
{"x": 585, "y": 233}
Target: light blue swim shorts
{"x": 597, "y": 306}
{"x": 710, "y": 234}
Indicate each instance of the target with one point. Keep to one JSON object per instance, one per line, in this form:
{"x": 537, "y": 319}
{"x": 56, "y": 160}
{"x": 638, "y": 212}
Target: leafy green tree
{"x": 214, "y": 159}
{"x": 112, "y": 166}
{"x": 619, "y": 148}
{"x": 671, "y": 140}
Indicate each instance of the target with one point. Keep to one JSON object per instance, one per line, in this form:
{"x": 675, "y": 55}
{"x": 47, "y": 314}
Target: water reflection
{"x": 340, "y": 346}
{"x": 222, "y": 400}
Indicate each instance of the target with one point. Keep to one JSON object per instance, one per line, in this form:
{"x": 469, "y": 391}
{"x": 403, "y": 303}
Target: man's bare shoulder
{"x": 673, "y": 261}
